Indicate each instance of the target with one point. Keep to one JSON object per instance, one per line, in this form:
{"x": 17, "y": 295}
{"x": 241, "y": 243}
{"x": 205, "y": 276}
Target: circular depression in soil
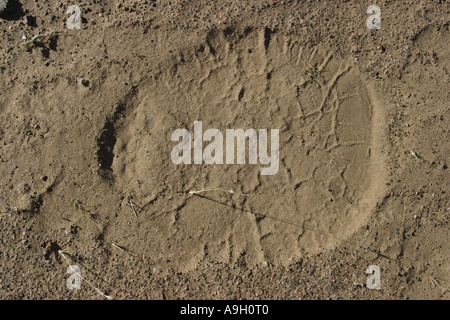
{"x": 326, "y": 184}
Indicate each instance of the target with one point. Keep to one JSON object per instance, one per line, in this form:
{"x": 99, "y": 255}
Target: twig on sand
{"x": 415, "y": 155}
{"x": 130, "y": 203}
{"x": 215, "y": 189}
{"x": 119, "y": 247}
{"x": 66, "y": 258}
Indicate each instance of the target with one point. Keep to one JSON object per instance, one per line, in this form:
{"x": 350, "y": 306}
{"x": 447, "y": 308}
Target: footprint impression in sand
{"x": 330, "y": 170}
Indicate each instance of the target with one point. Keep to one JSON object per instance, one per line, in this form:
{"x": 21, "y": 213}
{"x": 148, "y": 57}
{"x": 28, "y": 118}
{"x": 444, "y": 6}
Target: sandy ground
{"x": 86, "y": 175}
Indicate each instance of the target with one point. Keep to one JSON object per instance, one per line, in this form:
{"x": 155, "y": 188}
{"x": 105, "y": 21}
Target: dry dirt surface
{"x": 87, "y": 179}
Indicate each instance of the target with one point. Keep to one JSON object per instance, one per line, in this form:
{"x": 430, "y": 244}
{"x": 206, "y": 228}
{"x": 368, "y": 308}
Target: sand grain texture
{"x": 363, "y": 173}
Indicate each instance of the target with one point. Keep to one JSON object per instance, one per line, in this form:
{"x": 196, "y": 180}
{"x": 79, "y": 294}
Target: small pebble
{"x": 82, "y": 82}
